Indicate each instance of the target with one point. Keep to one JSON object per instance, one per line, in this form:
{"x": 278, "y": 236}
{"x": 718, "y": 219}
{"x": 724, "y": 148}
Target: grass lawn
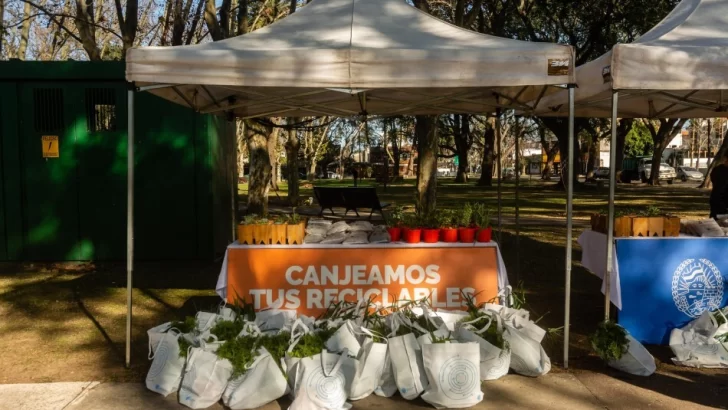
{"x": 66, "y": 322}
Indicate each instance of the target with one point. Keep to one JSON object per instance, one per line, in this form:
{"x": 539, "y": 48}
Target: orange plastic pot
{"x": 449, "y": 235}
{"x": 430, "y": 235}
{"x": 484, "y": 235}
{"x": 395, "y": 234}
{"x": 412, "y": 235}
{"x": 467, "y": 235}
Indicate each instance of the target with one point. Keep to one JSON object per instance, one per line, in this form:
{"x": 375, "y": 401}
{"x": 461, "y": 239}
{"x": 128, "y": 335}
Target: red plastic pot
{"x": 467, "y": 235}
{"x": 412, "y": 235}
{"x": 485, "y": 234}
{"x": 395, "y": 234}
{"x": 449, "y": 235}
{"x": 430, "y": 235}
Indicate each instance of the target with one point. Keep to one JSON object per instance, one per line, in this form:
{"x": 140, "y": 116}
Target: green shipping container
{"x": 63, "y": 165}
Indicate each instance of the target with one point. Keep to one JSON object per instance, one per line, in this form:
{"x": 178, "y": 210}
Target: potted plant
{"x": 262, "y": 231}
{"x": 431, "y": 231}
{"x": 245, "y": 230}
{"x": 448, "y": 227}
{"x": 465, "y": 223}
{"x": 412, "y": 232}
{"x": 481, "y": 220}
{"x": 278, "y": 230}
{"x": 394, "y": 223}
{"x": 295, "y": 229}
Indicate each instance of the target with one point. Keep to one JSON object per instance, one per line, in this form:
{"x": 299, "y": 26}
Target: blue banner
{"x": 667, "y": 282}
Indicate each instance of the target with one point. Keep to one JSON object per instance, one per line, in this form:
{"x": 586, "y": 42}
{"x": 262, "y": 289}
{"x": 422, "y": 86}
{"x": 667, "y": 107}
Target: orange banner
{"x": 309, "y": 279}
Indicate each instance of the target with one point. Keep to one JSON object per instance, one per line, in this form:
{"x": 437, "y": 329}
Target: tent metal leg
{"x": 569, "y": 218}
{"x": 516, "y": 169}
{"x": 129, "y": 222}
{"x": 498, "y": 169}
{"x": 612, "y": 193}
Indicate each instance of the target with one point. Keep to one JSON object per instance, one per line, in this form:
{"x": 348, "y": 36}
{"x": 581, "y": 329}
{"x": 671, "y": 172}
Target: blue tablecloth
{"x": 667, "y": 282}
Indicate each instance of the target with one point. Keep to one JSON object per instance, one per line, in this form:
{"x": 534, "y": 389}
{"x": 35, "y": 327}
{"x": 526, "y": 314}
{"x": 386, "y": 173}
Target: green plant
{"x": 465, "y": 215}
{"x": 184, "y": 346}
{"x": 395, "y": 216}
{"x": 281, "y": 219}
{"x": 411, "y": 221}
{"x": 294, "y": 219}
{"x": 241, "y": 352}
{"x": 186, "y": 326}
{"x": 226, "y": 330}
{"x": 310, "y": 344}
{"x": 481, "y": 215}
{"x": 251, "y": 219}
{"x": 609, "y": 341}
{"x": 446, "y": 218}
{"x": 479, "y": 320}
{"x": 429, "y": 221}
{"x": 276, "y": 345}
{"x": 652, "y": 211}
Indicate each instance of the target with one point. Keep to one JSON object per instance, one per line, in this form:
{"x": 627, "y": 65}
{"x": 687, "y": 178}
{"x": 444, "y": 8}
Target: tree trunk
{"x": 656, "y": 161}
{"x": 564, "y": 150}
{"x": 427, "y": 146}
{"x": 462, "y": 137}
{"x": 273, "y": 154}
{"x": 24, "y": 31}
{"x": 395, "y": 154}
{"x": 84, "y": 20}
{"x": 625, "y": 126}
{"x": 2, "y": 25}
{"x": 660, "y": 138}
{"x": 293, "y": 146}
{"x": 722, "y": 150}
{"x": 261, "y": 170}
{"x": 311, "y": 169}
{"x": 486, "y": 167}
{"x": 593, "y": 157}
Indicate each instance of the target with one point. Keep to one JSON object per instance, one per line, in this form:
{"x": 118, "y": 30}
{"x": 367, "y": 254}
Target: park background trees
{"x": 106, "y": 29}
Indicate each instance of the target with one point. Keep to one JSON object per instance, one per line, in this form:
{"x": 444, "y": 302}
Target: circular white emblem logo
{"x": 697, "y": 285}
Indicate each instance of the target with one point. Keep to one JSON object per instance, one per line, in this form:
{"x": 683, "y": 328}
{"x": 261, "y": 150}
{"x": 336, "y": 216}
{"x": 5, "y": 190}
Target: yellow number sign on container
{"x": 50, "y": 146}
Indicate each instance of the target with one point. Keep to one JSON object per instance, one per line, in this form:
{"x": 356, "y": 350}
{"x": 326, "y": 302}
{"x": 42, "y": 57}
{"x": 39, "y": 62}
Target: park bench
{"x": 349, "y": 198}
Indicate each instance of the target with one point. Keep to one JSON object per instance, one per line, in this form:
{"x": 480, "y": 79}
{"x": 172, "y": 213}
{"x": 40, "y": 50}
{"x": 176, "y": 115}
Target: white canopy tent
{"x": 677, "y": 69}
{"x": 346, "y": 58}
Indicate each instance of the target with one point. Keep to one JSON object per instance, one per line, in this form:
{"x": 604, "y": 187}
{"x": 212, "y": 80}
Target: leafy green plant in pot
{"x": 609, "y": 341}
{"x": 431, "y": 231}
{"x": 448, "y": 226}
{"x": 466, "y": 229}
{"x": 412, "y": 231}
{"x": 395, "y": 218}
{"x": 481, "y": 220}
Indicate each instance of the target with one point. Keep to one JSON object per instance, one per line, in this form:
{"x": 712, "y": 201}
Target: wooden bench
{"x": 349, "y": 198}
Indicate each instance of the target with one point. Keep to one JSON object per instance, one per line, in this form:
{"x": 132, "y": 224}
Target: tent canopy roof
{"x": 325, "y": 57}
{"x": 677, "y": 69}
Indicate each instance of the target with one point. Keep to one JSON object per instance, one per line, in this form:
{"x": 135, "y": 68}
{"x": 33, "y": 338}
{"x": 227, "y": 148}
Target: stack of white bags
{"x": 325, "y": 231}
{"x": 702, "y": 342}
{"x": 444, "y": 364}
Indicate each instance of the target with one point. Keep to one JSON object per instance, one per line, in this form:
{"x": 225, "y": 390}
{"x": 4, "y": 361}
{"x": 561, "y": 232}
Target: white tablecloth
{"x": 594, "y": 258}
{"x": 221, "y": 287}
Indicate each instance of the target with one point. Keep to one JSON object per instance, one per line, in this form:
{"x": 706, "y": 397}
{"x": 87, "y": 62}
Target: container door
{"x": 48, "y": 155}
{"x": 101, "y": 148}
{"x": 3, "y": 231}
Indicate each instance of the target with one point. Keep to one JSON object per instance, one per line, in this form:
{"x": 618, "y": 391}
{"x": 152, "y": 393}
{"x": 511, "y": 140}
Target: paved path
{"x": 579, "y": 390}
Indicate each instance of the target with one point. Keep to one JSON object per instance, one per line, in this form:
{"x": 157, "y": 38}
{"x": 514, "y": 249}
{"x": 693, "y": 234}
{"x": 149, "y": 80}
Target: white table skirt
{"x": 594, "y": 258}
{"x": 221, "y": 287}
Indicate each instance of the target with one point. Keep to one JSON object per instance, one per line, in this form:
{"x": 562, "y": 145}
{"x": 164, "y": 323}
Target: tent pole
{"x": 234, "y": 185}
{"x": 610, "y": 222}
{"x": 129, "y": 221}
{"x": 516, "y": 169}
{"x": 569, "y": 217}
{"x": 498, "y": 168}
